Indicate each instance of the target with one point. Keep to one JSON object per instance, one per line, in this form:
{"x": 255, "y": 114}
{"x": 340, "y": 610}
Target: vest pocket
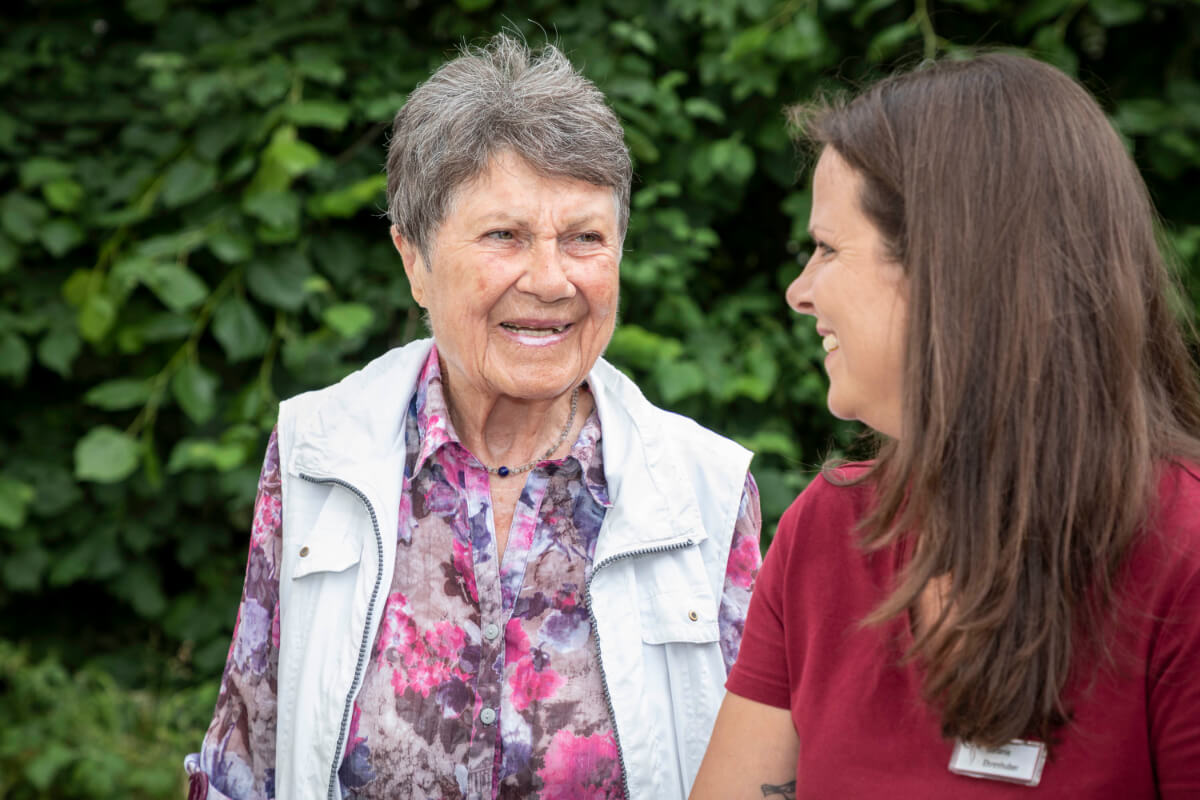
{"x": 679, "y": 616}
{"x": 334, "y": 542}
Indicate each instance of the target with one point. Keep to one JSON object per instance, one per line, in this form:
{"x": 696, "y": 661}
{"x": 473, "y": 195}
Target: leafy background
{"x": 190, "y": 229}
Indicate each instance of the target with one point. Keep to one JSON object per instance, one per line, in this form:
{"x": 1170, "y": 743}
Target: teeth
{"x": 830, "y": 342}
{"x": 532, "y": 331}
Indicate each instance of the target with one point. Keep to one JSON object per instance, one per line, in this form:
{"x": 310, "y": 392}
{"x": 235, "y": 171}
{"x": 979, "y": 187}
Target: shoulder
{"x": 1170, "y": 544}
{"x": 821, "y": 523}
{"x": 665, "y": 429}
{"x": 398, "y": 367}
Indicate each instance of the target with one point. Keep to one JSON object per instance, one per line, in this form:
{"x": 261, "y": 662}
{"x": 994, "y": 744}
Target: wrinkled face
{"x": 522, "y": 291}
{"x": 859, "y": 299}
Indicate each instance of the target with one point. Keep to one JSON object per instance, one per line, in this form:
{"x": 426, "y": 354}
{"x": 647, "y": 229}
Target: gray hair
{"x": 497, "y": 98}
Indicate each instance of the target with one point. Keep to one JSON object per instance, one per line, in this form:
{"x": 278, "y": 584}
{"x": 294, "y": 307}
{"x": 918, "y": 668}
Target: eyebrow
{"x": 581, "y": 221}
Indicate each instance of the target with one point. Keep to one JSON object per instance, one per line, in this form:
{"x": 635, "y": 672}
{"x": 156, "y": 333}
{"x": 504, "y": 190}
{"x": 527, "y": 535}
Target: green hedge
{"x": 191, "y": 229}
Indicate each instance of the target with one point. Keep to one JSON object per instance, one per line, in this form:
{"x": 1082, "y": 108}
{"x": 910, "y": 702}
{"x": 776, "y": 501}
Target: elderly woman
{"x": 1009, "y": 595}
{"x": 484, "y": 565}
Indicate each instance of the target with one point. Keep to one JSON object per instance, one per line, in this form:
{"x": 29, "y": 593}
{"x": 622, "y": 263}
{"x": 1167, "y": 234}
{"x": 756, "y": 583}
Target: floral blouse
{"x": 483, "y": 680}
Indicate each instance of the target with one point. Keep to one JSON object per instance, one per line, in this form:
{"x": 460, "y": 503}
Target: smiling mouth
{"x": 543, "y": 331}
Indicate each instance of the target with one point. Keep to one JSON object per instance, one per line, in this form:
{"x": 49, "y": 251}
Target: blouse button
{"x": 487, "y": 716}
{"x": 491, "y": 631}
{"x": 693, "y": 616}
{"x": 303, "y": 552}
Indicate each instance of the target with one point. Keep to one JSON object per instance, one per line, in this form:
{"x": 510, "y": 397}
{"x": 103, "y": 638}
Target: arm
{"x": 752, "y": 754}
{"x": 753, "y": 750}
{"x": 741, "y": 570}
{"x": 237, "y": 757}
{"x": 1175, "y": 698}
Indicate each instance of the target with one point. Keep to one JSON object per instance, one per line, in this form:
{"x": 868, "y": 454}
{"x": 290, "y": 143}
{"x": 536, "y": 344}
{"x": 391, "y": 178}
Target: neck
{"x": 501, "y": 430}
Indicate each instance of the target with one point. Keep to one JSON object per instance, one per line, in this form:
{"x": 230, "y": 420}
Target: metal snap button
{"x": 693, "y": 616}
{"x": 303, "y": 552}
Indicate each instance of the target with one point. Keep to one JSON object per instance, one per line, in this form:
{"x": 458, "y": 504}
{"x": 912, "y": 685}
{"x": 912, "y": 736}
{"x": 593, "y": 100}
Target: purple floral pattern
{"x": 483, "y": 679}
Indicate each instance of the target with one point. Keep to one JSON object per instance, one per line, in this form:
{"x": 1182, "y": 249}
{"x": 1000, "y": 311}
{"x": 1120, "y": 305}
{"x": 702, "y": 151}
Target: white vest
{"x": 660, "y": 560}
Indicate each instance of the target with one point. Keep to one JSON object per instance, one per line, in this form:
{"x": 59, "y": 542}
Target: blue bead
{"x": 502, "y": 472}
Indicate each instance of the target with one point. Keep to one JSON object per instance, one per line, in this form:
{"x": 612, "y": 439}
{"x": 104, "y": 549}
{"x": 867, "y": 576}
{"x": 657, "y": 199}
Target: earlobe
{"x": 414, "y": 268}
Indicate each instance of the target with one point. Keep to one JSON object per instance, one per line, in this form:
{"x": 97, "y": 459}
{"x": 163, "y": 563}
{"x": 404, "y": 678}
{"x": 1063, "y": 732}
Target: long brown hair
{"x": 1045, "y": 380}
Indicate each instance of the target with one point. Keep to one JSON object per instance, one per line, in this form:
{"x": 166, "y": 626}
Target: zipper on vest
{"x": 600, "y": 658}
{"x": 363, "y": 648}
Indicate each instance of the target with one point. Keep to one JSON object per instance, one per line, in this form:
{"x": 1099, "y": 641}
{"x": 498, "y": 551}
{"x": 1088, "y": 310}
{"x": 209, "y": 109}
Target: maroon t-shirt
{"x": 864, "y": 730}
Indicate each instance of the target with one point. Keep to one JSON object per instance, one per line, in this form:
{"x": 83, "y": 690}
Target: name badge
{"x": 1019, "y": 761}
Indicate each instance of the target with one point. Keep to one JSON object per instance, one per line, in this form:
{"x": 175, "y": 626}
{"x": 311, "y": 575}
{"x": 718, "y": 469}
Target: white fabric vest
{"x": 656, "y": 584}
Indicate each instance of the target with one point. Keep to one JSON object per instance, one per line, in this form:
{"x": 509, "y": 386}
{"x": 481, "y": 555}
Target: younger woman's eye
{"x": 823, "y": 248}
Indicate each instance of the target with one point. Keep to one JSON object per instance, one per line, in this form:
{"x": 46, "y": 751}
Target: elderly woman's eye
{"x": 503, "y": 236}
{"x": 588, "y": 238}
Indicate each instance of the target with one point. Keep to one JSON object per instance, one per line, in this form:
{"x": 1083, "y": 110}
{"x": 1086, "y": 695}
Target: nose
{"x": 799, "y": 291}
{"x": 545, "y": 276}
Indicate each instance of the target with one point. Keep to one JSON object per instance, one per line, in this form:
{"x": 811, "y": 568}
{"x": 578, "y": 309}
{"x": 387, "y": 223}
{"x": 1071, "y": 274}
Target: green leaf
{"x": 60, "y": 236}
{"x": 106, "y": 455}
{"x": 276, "y": 209}
{"x": 39, "y": 170}
{"x": 1048, "y": 45}
{"x": 867, "y": 10}
{"x": 295, "y": 156}
{"x": 888, "y": 41}
{"x": 165, "y": 326}
{"x": 241, "y": 334}
{"x": 231, "y": 247}
{"x": 195, "y": 389}
{"x": 679, "y": 379}
{"x": 21, "y": 216}
{"x": 319, "y": 64}
{"x": 96, "y": 317}
{"x": 14, "y": 357}
{"x": 205, "y": 454}
{"x": 24, "y": 568}
{"x": 15, "y": 498}
{"x": 1113, "y": 13}
{"x": 147, "y": 11}
{"x": 1039, "y": 11}
{"x": 176, "y": 286}
{"x": 318, "y": 113}
{"x": 473, "y": 5}
{"x": 172, "y": 245}
{"x": 348, "y": 319}
{"x": 58, "y": 349}
{"x": 186, "y": 180}
{"x": 118, "y": 394}
{"x": 732, "y": 159}
{"x": 63, "y": 194}
{"x": 279, "y": 281}
{"x": 9, "y": 253}
{"x": 348, "y": 201}
{"x": 141, "y": 586}
{"x": 703, "y": 108}
{"x": 635, "y": 346}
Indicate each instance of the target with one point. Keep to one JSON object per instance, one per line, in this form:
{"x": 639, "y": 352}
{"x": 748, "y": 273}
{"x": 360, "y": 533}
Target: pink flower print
{"x": 465, "y": 568}
{"x": 530, "y": 684}
{"x": 581, "y": 768}
{"x": 446, "y": 640}
{"x": 516, "y": 642}
{"x": 744, "y": 561}
{"x": 275, "y": 628}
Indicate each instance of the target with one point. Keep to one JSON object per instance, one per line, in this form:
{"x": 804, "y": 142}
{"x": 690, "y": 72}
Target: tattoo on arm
{"x": 785, "y": 790}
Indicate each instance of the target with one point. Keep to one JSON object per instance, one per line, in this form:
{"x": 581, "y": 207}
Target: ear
{"x": 414, "y": 265}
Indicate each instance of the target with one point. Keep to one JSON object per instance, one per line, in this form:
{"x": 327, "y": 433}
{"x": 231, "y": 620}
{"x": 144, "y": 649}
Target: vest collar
{"x": 354, "y": 431}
